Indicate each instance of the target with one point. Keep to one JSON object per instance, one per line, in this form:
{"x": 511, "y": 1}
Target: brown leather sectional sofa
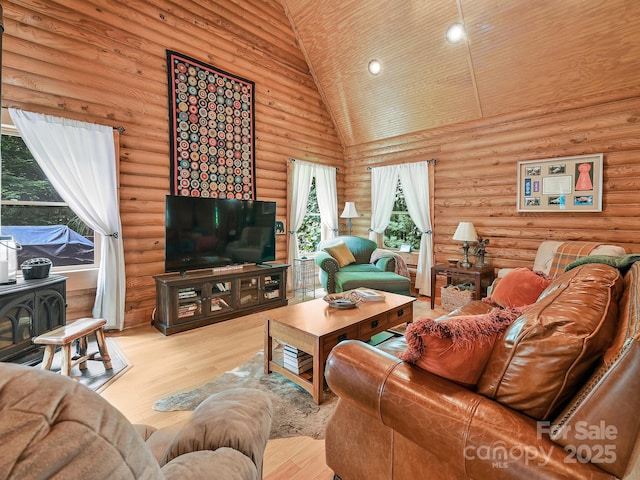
{"x": 558, "y": 399}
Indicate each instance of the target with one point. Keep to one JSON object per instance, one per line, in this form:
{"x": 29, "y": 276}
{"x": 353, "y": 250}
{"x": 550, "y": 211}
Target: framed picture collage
{"x": 564, "y": 184}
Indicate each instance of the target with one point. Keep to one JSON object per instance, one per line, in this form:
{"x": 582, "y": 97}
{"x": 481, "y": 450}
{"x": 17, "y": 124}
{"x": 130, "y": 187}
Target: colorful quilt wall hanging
{"x": 212, "y": 130}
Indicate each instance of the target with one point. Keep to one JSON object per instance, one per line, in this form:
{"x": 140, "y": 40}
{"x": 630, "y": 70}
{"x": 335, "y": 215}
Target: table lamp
{"x": 349, "y": 212}
{"x": 465, "y": 233}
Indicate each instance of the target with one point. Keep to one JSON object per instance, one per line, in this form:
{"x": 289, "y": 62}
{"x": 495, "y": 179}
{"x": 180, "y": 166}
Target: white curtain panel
{"x": 414, "y": 178}
{"x": 384, "y": 181}
{"x": 79, "y": 161}
{"x": 327, "y": 193}
{"x": 302, "y": 173}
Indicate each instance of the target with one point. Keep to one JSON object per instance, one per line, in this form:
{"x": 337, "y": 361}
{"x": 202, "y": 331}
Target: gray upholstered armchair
{"x": 53, "y": 426}
{"x": 359, "y": 273}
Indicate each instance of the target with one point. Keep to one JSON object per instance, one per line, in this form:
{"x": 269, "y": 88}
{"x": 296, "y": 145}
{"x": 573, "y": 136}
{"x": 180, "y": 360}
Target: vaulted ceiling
{"x": 519, "y": 54}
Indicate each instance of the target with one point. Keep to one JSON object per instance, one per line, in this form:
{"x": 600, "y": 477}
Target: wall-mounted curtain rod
{"x": 433, "y": 160}
{"x": 120, "y": 129}
{"x": 294, "y": 160}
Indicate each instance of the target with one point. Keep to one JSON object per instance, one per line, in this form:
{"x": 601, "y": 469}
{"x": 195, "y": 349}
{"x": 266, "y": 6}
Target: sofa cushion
{"x": 519, "y": 287}
{"x": 456, "y": 347}
{"x": 360, "y": 268}
{"x": 341, "y": 253}
{"x": 546, "y": 354}
{"x": 221, "y": 421}
{"x": 386, "y": 281}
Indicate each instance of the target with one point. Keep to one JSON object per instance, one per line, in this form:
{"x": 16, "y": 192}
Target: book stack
{"x": 296, "y": 360}
{"x": 187, "y": 293}
{"x": 367, "y": 295}
{"x": 272, "y": 293}
{"x": 218, "y": 304}
{"x": 187, "y": 310}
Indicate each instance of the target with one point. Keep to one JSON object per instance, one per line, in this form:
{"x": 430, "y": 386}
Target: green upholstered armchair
{"x": 358, "y": 274}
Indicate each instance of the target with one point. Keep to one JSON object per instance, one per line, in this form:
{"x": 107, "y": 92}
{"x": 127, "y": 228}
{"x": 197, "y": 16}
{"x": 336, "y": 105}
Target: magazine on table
{"x": 368, "y": 295}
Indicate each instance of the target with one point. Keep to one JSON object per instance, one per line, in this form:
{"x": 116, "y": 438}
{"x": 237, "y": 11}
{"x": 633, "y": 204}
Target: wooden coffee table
{"x": 316, "y": 328}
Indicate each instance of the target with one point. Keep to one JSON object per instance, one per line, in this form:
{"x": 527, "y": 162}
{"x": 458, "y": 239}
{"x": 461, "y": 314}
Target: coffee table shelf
{"x": 305, "y": 380}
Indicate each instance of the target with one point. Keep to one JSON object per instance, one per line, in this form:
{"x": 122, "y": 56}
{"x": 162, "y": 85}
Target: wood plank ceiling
{"x": 519, "y": 54}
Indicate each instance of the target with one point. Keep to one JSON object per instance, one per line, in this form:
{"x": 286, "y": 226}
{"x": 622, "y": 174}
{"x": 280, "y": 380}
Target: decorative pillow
{"x": 519, "y": 287}
{"x": 456, "y": 347}
{"x": 547, "y": 353}
{"x": 341, "y": 253}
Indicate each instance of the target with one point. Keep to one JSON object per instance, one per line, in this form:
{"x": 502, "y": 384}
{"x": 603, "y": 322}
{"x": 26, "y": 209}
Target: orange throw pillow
{"x": 456, "y": 347}
{"x": 341, "y": 253}
{"x": 519, "y": 287}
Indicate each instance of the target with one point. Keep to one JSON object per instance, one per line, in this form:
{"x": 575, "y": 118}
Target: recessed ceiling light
{"x": 456, "y": 33}
{"x": 375, "y": 67}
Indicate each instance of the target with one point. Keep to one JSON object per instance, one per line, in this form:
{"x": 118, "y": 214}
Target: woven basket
{"x": 455, "y": 296}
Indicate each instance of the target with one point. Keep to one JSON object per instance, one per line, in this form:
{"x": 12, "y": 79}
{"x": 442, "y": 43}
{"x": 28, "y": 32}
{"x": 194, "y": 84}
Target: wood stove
{"x": 29, "y": 308}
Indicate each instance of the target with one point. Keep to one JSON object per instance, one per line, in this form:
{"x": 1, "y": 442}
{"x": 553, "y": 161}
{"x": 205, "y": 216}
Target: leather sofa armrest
{"x": 415, "y": 403}
{"x": 386, "y": 264}
{"x": 447, "y": 419}
{"x": 356, "y": 373}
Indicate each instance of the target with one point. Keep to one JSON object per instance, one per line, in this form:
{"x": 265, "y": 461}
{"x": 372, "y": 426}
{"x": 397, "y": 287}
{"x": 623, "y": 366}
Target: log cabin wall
{"x": 476, "y": 175}
{"x": 104, "y": 62}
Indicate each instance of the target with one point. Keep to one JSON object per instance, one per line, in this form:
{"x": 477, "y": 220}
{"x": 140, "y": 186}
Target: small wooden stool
{"x": 65, "y": 336}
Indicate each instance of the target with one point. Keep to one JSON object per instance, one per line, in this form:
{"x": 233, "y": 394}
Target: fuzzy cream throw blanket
{"x": 401, "y": 265}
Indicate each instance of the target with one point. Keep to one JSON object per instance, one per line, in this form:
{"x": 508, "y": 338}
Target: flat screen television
{"x": 214, "y": 232}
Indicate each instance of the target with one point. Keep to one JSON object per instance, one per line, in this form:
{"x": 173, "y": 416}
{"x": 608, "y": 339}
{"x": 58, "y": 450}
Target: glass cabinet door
{"x": 189, "y": 303}
{"x": 271, "y": 287}
{"x": 220, "y": 298}
{"x": 248, "y": 292}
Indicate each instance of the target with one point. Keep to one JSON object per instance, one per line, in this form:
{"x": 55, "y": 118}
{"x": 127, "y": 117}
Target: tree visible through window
{"x": 401, "y": 229}
{"x": 29, "y": 200}
{"x": 309, "y": 234}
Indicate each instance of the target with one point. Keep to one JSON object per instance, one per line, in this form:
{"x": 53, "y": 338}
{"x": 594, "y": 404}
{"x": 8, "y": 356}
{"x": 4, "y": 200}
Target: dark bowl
{"x": 341, "y": 301}
{"x": 35, "y": 268}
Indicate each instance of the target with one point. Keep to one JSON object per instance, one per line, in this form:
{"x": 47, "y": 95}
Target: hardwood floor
{"x": 162, "y": 365}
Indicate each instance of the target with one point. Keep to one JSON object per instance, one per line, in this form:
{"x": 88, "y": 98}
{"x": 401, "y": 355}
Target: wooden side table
{"x": 476, "y": 275}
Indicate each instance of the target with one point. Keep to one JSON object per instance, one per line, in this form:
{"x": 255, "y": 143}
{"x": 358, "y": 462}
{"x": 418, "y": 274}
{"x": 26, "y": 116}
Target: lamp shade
{"x": 349, "y": 210}
{"x": 465, "y": 232}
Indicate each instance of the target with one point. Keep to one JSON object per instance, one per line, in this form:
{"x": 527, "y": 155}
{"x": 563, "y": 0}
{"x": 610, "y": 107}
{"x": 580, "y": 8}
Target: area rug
{"x": 95, "y": 376}
{"x": 295, "y": 414}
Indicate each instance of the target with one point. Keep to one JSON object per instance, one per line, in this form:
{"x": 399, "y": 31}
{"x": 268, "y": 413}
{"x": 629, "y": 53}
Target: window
{"x": 310, "y": 232}
{"x": 401, "y": 229}
{"x": 35, "y": 215}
